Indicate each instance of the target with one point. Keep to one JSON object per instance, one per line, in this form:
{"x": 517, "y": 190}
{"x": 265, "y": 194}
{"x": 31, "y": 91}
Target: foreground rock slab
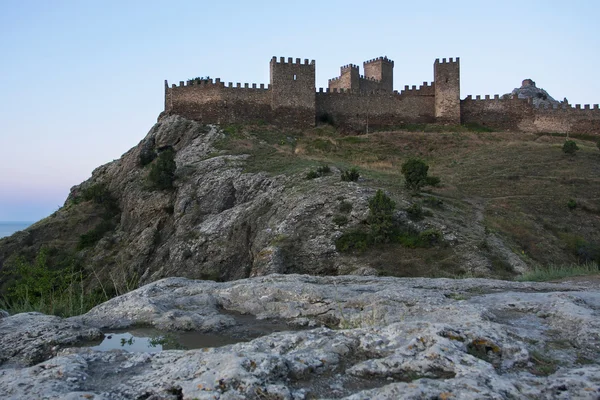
{"x": 349, "y": 337}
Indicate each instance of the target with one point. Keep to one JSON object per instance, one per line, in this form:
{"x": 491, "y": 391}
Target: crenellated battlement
{"x": 379, "y": 59}
{"x": 369, "y": 78}
{"x": 208, "y": 83}
{"x": 426, "y": 89}
{"x": 566, "y": 107}
{"x": 450, "y": 61}
{"x": 354, "y": 101}
{"x": 345, "y": 68}
{"x": 495, "y": 97}
{"x": 357, "y": 92}
{"x": 290, "y": 60}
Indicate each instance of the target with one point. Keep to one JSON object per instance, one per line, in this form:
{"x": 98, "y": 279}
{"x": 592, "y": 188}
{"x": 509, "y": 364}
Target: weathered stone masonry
{"x": 359, "y": 102}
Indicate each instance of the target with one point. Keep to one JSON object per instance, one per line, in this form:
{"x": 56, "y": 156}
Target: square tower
{"x": 293, "y": 90}
{"x": 348, "y": 79}
{"x": 447, "y": 90}
{"x": 381, "y": 69}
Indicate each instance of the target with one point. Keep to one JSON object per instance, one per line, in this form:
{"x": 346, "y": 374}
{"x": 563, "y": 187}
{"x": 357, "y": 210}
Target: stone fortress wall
{"x": 365, "y": 102}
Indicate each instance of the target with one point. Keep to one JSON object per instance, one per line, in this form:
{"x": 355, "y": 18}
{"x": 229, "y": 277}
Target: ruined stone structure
{"x": 362, "y": 102}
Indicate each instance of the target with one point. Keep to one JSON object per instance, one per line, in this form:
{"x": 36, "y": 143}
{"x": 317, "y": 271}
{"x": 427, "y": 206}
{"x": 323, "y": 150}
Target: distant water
{"x": 8, "y": 228}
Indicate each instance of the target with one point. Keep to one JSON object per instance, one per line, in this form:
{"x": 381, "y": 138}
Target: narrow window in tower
{"x": 295, "y": 76}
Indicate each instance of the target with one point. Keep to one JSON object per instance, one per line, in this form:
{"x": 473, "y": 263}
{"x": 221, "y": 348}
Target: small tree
{"x": 415, "y": 173}
{"x": 381, "y": 217}
{"x": 570, "y": 147}
{"x": 162, "y": 173}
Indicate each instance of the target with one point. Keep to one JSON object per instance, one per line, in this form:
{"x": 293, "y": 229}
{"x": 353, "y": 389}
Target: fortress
{"x": 361, "y": 102}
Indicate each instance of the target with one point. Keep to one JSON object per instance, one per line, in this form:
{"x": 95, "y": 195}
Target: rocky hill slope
{"x": 237, "y": 203}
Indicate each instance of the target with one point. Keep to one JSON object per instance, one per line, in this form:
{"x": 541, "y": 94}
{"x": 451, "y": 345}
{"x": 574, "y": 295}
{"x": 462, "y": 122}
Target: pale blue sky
{"x": 82, "y": 81}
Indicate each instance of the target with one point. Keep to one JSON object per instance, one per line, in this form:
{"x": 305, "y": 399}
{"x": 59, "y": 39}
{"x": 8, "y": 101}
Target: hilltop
{"x": 240, "y": 205}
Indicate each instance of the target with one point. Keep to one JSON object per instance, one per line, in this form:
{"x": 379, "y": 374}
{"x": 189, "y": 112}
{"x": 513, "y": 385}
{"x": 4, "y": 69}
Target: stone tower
{"x": 447, "y": 90}
{"x": 382, "y": 69}
{"x": 349, "y": 77}
{"x": 293, "y": 91}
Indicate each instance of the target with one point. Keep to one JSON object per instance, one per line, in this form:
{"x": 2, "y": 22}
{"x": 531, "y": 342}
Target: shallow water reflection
{"x": 150, "y": 340}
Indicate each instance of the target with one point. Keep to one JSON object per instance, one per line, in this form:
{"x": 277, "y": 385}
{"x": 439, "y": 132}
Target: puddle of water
{"x": 152, "y": 340}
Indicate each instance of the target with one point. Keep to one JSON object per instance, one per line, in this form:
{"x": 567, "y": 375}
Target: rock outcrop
{"x": 221, "y": 221}
{"x": 538, "y": 96}
{"x": 362, "y": 338}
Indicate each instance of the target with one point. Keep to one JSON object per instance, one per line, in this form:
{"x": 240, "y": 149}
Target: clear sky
{"x": 81, "y": 82}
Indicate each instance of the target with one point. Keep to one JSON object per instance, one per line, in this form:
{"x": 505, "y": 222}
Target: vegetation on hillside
{"x": 36, "y": 286}
{"x": 516, "y": 189}
{"x": 570, "y": 147}
{"x": 415, "y": 174}
{"x": 381, "y": 228}
{"x": 99, "y": 195}
{"x": 517, "y": 180}
{"x": 162, "y": 171}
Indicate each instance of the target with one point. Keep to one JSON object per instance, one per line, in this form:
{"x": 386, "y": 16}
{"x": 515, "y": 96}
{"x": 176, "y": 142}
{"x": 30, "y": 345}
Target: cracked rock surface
{"x": 349, "y": 337}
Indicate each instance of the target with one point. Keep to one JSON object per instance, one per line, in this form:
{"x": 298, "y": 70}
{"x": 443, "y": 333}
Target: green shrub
{"x": 345, "y": 207}
{"x": 233, "y": 130}
{"x": 415, "y": 173}
{"x": 350, "y": 175}
{"x": 429, "y": 237}
{"x": 323, "y": 170}
{"x": 147, "y": 155}
{"x": 433, "y": 202}
{"x": 199, "y": 79}
{"x": 432, "y": 181}
{"x": 572, "y": 204}
{"x": 91, "y": 237}
{"x": 415, "y": 211}
{"x": 39, "y": 287}
{"x": 381, "y": 217}
{"x": 99, "y": 194}
{"x": 382, "y": 229}
{"x": 147, "y": 152}
{"x": 312, "y": 174}
{"x": 340, "y": 220}
{"x": 354, "y": 240}
{"x": 570, "y": 147}
{"x": 162, "y": 173}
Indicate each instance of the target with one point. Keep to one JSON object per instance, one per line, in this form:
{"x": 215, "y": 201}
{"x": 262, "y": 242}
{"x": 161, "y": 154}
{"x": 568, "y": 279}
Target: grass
{"x": 523, "y": 182}
{"x": 554, "y": 272}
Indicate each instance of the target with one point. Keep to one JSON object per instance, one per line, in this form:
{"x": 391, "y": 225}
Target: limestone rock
{"x": 538, "y": 96}
{"x": 29, "y": 338}
{"x": 371, "y": 337}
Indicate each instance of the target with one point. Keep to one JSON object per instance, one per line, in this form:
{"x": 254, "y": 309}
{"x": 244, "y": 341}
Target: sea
{"x": 8, "y": 228}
